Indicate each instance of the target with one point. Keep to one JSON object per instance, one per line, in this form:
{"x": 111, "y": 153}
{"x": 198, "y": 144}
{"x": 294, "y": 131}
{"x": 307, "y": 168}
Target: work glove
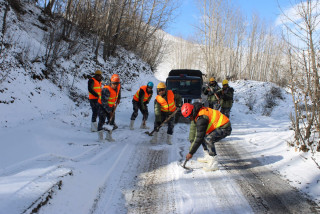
{"x": 108, "y": 110}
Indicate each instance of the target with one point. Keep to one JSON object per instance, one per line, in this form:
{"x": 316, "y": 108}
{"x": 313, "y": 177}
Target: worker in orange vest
{"x": 208, "y": 126}
{"x": 94, "y": 88}
{"x": 140, "y": 101}
{"x": 165, "y": 104}
{"x": 110, "y": 98}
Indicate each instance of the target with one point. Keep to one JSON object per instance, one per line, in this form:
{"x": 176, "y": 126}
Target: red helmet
{"x": 186, "y": 109}
{"x": 115, "y": 78}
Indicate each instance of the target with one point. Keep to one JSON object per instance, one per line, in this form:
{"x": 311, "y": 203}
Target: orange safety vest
{"x": 96, "y": 88}
{"x": 146, "y": 95}
{"x": 113, "y": 95}
{"x": 216, "y": 118}
{"x": 167, "y": 106}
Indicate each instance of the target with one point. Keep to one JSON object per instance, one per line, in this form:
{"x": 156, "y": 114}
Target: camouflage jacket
{"x": 226, "y": 97}
{"x": 211, "y": 90}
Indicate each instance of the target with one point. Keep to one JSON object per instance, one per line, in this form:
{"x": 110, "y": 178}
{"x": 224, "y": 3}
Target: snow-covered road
{"x": 132, "y": 175}
{"x": 54, "y": 164}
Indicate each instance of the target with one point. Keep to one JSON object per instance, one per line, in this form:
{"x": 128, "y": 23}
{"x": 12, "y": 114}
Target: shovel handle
{"x": 166, "y": 120}
{"x": 184, "y": 164}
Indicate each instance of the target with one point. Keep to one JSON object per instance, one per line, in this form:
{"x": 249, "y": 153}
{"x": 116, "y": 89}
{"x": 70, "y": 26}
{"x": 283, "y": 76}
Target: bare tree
{"x": 128, "y": 23}
{"x": 235, "y": 47}
{"x": 303, "y": 38}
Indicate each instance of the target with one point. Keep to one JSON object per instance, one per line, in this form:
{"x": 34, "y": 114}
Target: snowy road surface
{"x": 53, "y": 164}
{"x": 132, "y": 175}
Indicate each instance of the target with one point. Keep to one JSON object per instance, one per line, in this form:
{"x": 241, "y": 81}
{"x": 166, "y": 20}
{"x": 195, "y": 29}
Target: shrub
{"x": 271, "y": 100}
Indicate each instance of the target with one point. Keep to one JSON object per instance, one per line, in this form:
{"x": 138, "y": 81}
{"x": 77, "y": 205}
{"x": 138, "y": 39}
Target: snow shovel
{"x": 166, "y": 120}
{"x": 187, "y": 168}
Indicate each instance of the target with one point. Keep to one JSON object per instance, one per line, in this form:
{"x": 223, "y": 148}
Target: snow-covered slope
{"x": 29, "y": 89}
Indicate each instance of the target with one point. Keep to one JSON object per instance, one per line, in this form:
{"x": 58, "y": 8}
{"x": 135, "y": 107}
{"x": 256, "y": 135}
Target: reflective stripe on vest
{"x": 96, "y": 88}
{"x": 216, "y": 119}
{"x": 113, "y": 95}
{"x": 167, "y": 106}
{"x": 146, "y": 95}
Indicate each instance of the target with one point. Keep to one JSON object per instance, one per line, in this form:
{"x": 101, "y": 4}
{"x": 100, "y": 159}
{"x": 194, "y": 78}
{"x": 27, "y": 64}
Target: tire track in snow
{"x": 101, "y": 204}
{"x": 265, "y": 191}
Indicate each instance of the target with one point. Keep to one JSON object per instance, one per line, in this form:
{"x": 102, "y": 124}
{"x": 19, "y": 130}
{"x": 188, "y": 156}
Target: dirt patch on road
{"x": 151, "y": 193}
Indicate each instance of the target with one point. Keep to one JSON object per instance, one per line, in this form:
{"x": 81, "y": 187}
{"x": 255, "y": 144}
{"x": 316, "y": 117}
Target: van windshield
{"x": 185, "y": 87}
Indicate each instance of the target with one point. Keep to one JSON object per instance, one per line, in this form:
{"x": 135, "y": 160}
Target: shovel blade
{"x": 148, "y": 133}
{"x": 185, "y": 167}
{"x": 187, "y": 170}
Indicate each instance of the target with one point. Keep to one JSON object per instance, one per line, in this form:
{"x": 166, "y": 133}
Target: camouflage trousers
{"x": 215, "y": 136}
{"x": 103, "y": 115}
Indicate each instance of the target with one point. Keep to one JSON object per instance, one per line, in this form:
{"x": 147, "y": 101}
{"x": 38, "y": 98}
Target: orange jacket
{"x": 216, "y": 119}
{"x": 169, "y": 106}
{"x": 96, "y": 88}
{"x": 113, "y": 95}
{"x": 146, "y": 95}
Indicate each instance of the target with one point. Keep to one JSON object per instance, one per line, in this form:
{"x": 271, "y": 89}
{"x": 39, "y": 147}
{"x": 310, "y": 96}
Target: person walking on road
{"x": 225, "y": 98}
{"x": 110, "y": 99}
{"x": 165, "y": 104}
{"x": 140, "y": 101}
{"x": 211, "y": 91}
{"x": 94, "y": 88}
{"x": 208, "y": 126}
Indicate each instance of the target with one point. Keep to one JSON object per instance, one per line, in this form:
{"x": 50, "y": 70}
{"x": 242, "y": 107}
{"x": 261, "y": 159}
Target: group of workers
{"x": 219, "y": 98}
{"x": 208, "y": 124}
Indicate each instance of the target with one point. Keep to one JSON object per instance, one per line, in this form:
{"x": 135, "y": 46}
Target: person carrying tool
{"x": 110, "y": 99}
{"x": 211, "y": 91}
{"x": 165, "y": 104}
{"x": 140, "y": 101}
{"x": 94, "y": 88}
{"x": 226, "y": 98}
{"x": 208, "y": 126}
